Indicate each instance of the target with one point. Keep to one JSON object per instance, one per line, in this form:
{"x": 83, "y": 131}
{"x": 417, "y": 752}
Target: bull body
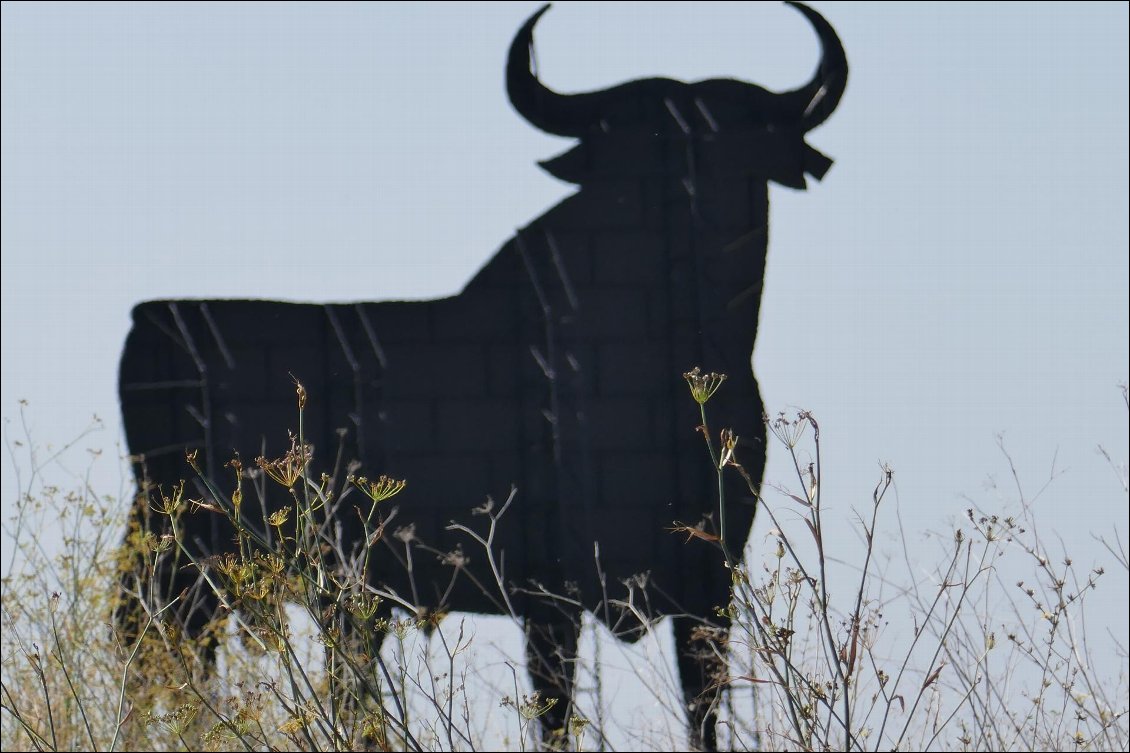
{"x": 556, "y": 371}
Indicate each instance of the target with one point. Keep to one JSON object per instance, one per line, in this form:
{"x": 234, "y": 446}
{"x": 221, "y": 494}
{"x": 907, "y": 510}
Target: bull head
{"x": 772, "y": 125}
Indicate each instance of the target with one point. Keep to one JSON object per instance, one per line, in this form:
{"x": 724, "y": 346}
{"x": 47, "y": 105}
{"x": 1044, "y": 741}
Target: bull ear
{"x": 559, "y": 114}
{"x": 815, "y": 101}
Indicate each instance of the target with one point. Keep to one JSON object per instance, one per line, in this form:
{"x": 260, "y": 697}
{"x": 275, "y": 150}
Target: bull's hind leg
{"x": 702, "y": 669}
{"x": 364, "y": 691}
{"x": 198, "y": 615}
{"x": 551, "y": 654}
{"x": 161, "y": 588}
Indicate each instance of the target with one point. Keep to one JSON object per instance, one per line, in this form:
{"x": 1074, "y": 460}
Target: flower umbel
{"x": 288, "y": 469}
{"x": 532, "y": 706}
{"x": 171, "y": 505}
{"x": 703, "y": 386}
{"x": 278, "y": 517}
{"x": 789, "y": 431}
{"x": 379, "y": 490}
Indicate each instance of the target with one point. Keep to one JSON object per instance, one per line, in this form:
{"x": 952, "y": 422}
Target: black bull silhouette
{"x": 557, "y": 371}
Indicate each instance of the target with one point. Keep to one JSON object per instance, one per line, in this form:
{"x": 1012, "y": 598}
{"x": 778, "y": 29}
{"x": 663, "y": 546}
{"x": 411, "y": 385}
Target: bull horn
{"x": 560, "y": 114}
{"x": 816, "y": 100}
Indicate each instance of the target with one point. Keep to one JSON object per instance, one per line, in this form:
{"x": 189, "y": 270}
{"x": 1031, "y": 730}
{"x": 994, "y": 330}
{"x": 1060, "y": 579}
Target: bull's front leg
{"x": 702, "y": 668}
{"x": 551, "y": 654}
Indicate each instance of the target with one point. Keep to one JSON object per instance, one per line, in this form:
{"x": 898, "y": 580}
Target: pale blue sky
{"x": 962, "y": 270}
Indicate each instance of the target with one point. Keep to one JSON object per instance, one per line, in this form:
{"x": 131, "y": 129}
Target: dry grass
{"x": 833, "y": 646}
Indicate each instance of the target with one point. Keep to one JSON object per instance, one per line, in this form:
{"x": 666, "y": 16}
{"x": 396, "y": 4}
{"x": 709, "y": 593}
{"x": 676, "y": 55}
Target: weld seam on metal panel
{"x": 678, "y": 116}
{"x": 345, "y": 349}
{"x": 216, "y": 335}
{"x": 189, "y": 343}
{"x": 370, "y": 333}
{"x": 566, "y": 285}
{"x": 168, "y": 449}
{"x": 743, "y": 296}
{"x": 169, "y": 385}
{"x": 742, "y": 240}
{"x": 710, "y": 121}
{"x": 538, "y": 291}
{"x": 546, "y": 368}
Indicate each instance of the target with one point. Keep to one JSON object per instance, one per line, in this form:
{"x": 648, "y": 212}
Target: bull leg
{"x": 198, "y": 613}
{"x": 360, "y": 682}
{"x": 702, "y": 666}
{"x": 551, "y": 653}
{"x": 163, "y": 586}
{"x": 129, "y": 616}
